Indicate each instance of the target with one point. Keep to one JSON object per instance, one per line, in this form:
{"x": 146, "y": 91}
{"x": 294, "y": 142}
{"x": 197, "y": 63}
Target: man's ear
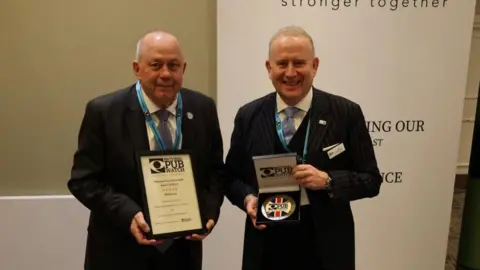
{"x": 268, "y": 65}
{"x": 316, "y": 63}
{"x": 136, "y": 68}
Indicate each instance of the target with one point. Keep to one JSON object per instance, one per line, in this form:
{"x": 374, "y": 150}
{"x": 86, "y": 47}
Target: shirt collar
{"x": 303, "y": 105}
{"x": 153, "y": 108}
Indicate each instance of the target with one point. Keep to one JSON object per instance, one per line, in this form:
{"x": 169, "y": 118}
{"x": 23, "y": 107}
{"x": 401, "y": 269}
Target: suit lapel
{"x": 265, "y": 127}
{"x": 320, "y": 120}
{"x": 135, "y": 122}
{"x": 188, "y": 127}
{"x": 136, "y": 125}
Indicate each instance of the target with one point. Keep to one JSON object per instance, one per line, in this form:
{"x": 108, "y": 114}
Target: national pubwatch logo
{"x": 279, "y": 171}
{"x": 166, "y": 165}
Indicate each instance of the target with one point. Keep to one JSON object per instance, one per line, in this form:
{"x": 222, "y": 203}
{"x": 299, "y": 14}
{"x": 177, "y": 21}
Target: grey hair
{"x": 137, "y": 51}
{"x": 291, "y": 31}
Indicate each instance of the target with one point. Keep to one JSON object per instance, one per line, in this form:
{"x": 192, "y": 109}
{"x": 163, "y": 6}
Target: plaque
{"x": 279, "y": 193}
{"x": 170, "y": 198}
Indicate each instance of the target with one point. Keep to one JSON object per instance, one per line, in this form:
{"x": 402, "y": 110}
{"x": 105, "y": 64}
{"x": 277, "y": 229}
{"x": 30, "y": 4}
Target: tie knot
{"x": 163, "y": 114}
{"x": 291, "y": 111}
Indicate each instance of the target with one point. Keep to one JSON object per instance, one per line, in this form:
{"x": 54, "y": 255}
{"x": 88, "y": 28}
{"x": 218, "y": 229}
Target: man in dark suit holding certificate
{"x": 336, "y": 163}
{"x": 155, "y": 113}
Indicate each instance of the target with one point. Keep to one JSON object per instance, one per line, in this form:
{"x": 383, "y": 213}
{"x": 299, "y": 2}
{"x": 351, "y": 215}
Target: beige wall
{"x": 56, "y": 55}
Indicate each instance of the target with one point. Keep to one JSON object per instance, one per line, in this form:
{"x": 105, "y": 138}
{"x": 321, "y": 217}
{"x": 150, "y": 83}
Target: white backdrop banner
{"x": 405, "y": 62}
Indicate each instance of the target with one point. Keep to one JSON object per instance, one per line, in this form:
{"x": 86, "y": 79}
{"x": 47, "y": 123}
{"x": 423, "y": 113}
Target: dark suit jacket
{"x": 104, "y": 175}
{"x": 354, "y": 172}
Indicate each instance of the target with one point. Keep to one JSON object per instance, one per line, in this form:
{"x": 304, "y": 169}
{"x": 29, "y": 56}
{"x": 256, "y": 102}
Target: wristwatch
{"x": 328, "y": 187}
{"x": 328, "y": 184}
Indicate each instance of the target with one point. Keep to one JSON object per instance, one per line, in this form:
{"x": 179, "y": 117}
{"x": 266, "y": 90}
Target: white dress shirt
{"x": 172, "y": 120}
{"x": 304, "y": 106}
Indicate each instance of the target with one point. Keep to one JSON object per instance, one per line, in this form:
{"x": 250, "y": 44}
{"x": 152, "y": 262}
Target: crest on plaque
{"x": 278, "y": 207}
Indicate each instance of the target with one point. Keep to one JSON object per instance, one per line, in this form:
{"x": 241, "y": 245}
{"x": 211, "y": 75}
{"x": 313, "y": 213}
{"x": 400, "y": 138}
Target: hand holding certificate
{"x": 171, "y": 205}
{"x": 279, "y": 193}
{"x": 139, "y": 227}
{"x": 208, "y": 227}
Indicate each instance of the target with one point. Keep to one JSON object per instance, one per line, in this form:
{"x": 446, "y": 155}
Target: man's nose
{"x": 290, "y": 71}
{"x": 165, "y": 72}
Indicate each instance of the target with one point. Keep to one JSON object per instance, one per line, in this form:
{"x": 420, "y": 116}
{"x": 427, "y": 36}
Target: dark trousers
{"x": 292, "y": 246}
{"x": 177, "y": 257}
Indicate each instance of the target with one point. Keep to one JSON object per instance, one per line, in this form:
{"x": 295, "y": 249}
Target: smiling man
{"x": 336, "y": 163}
{"x": 154, "y": 113}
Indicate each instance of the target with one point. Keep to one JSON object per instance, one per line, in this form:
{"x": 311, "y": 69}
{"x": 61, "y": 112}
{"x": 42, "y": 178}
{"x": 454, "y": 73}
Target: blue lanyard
{"x": 150, "y": 122}
{"x": 278, "y": 125}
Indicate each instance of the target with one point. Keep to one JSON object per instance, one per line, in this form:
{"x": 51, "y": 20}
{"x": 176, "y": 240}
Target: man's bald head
{"x": 159, "y": 66}
{"x": 155, "y": 38}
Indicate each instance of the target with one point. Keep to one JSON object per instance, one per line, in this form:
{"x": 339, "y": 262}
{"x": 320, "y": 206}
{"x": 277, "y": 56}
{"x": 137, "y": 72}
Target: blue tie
{"x": 288, "y": 123}
{"x": 167, "y": 139}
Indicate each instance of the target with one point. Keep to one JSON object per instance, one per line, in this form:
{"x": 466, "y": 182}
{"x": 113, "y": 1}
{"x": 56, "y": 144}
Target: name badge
{"x": 335, "y": 151}
{"x": 330, "y": 147}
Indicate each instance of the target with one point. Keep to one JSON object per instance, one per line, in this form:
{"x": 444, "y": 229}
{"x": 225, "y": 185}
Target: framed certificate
{"x": 279, "y": 193}
{"x": 170, "y": 198}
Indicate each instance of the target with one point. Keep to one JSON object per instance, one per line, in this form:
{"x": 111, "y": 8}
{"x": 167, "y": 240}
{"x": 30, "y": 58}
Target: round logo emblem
{"x": 278, "y": 207}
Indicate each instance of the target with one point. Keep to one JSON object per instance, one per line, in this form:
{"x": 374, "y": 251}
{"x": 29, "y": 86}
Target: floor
{"x": 455, "y": 226}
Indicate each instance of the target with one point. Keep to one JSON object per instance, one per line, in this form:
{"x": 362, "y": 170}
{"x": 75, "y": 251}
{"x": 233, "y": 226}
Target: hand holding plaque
{"x": 251, "y": 204}
{"x": 279, "y": 193}
{"x": 139, "y": 227}
{"x": 208, "y": 227}
{"x": 310, "y": 177}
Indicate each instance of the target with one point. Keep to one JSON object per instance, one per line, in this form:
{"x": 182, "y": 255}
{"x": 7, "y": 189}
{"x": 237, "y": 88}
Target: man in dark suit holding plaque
{"x": 335, "y": 165}
{"x": 154, "y": 114}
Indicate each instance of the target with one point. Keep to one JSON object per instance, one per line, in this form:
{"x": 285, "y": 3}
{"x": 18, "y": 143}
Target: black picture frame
{"x": 139, "y": 155}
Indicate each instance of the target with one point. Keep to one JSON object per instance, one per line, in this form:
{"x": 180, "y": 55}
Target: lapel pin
{"x": 190, "y": 115}
{"x": 322, "y": 122}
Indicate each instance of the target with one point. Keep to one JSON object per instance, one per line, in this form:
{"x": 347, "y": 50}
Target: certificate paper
{"x": 171, "y": 204}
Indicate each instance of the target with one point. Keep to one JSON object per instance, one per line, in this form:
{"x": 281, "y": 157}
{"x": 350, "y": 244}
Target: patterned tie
{"x": 164, "y": 129}
{"x": 167, "y": 139}
{"x": 288, "y": 123}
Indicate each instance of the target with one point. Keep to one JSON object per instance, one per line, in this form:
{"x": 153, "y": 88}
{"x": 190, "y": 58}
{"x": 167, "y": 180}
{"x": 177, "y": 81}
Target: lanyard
{"x": 278, "y": 125}
{"x": 150, "y": 122}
